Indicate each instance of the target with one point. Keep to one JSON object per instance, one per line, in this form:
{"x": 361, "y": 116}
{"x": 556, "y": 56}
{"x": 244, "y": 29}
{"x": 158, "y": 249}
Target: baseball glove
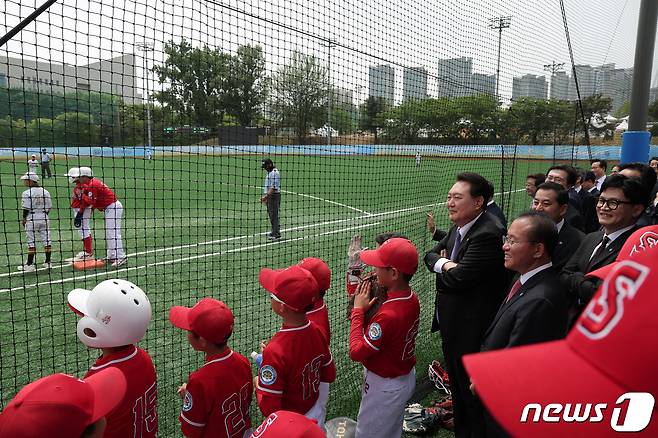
{"x": 376, "y": 291}
{"x": 420, "y": 421}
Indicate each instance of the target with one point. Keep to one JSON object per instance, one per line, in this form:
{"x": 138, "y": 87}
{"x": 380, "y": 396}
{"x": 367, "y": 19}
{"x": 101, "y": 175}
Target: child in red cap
{"x": 115, "y": 315}
{"x": 217, "y": 396}
{"x": 386, "y": 347}
{"x": 319, "y": 314}
{"x": 297, "y": 359}
{"x": 288, "y": 424}
{"x": 63, "y": 406}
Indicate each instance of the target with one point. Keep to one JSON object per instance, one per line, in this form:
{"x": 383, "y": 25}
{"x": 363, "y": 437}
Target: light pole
{"x": 146, "y": 47}
{"x": 499, "y": 23}
{"x": 553, "y": 68}
{"x": 330, "y": 44}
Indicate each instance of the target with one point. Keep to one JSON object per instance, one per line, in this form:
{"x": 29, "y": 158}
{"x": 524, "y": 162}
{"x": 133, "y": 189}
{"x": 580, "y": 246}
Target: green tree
{"x": 245, "y": 89}
{"x": 371, "y": 111}
{"x": 197, "y": 81}
{"x": 623, "y": 110}
{"x": 541, "y": 120}
{"x": 300, "y": 92}
{"x": 595, "y": 108}
{"x": 76, "y": 129}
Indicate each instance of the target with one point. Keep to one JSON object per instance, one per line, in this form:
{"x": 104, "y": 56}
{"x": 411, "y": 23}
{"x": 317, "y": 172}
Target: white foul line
{"x": 185, "y": 259}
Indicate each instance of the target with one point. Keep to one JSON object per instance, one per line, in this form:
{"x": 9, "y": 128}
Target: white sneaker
{"x": 82, "y": 256}
{"x": 47, "y": 265}
{"x": 119, "y": 262}
{"x": 27, "y": 268}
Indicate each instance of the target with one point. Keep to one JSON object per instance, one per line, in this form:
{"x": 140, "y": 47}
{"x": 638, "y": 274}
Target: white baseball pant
{"x": 319, "y": 410}
{"x": 42, "y": 227}
{"x": 113, "y": 214}
{"x": 382, "y": 405}
{"x": 85, "y": 229}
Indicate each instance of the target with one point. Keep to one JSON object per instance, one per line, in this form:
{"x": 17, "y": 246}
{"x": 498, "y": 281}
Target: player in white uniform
{"x": 418, "y": 158}
{"x": 33, "y": 164}
{"x": 36, "y": 204}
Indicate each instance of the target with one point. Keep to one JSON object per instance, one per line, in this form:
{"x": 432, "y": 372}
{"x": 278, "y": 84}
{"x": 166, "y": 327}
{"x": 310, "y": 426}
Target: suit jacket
{"x": 588, "y": 206}
{"x": 468, "y": 295}
{"x": 569, "y": 239}
{"x": 438, "y": 235}
{"x": 494, "y": 210}
{"x": 573, "y": 279}
{"x": 537, "y": 313}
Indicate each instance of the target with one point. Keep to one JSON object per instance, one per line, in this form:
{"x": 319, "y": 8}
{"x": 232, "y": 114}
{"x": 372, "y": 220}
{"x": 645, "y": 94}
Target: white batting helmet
{"x": 86, "y": 171}
{"x": 73, "y": 174}
{"x": 114, "y": 313}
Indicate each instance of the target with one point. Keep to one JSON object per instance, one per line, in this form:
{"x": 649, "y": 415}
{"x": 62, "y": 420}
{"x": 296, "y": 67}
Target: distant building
{"x": 529, "y": 86}
{"x": 454, "y": 77}
{"x": 560, "y": 86}
{"x": 483, "y": 84}
{"x": 616, "y": 83}
{"x": 586, "y": 82}
{"x": 381, "y": 83}
{"x": 414, "y": 83}
{"x": 653, "y": 95}
{"x": 342, "y": 97}
{"x": 113, "y": 76}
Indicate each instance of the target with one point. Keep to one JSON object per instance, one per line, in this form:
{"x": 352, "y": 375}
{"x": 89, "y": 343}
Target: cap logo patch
{"x": 105, "y": 318}
{"x": 374, "y": 331}
{"x": 604, "y": 313}
{"x": 267, "y": 375}
{"x": 647, "y": 240}
{"x": 187, "y": 402}
{"x": 263, "y": 427}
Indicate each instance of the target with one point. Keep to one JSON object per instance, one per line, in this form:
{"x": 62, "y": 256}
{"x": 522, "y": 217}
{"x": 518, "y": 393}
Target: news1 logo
{"x": 631, "y": 413}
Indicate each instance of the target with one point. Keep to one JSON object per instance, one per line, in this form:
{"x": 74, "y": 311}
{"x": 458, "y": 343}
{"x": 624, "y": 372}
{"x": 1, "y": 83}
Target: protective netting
{"x": 368, "y": 109}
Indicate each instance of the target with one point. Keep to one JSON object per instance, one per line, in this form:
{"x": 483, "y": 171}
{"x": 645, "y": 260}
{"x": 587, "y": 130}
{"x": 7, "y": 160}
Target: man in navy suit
{"x": 471, "y": 281}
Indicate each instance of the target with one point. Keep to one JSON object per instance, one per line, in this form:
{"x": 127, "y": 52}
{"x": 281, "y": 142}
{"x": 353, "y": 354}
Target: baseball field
{"x": 194, "y": 227}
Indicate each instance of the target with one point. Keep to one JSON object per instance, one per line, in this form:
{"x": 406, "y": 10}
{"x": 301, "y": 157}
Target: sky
{"x": 411, "y": 33}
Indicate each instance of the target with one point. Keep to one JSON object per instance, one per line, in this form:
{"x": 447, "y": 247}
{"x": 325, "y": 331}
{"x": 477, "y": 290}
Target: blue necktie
{"x": 455, "y": 248}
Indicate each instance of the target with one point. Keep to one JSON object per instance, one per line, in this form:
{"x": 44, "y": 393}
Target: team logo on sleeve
{"x": 374, "y": 331}
{"x": 267, "y": 375}
{"x": 187, "y": 402}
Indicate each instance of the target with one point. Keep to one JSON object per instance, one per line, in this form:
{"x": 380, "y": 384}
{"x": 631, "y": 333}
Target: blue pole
{"x": 635, "y": 142}
{"x": 635, "y": 146}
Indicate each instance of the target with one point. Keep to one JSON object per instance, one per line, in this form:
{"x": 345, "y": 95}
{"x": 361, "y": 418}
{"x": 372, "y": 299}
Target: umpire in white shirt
{"x": 272, "y": 197}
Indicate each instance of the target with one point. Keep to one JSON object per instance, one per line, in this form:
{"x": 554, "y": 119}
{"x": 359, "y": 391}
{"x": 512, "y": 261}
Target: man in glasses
{"x": 618, "y": 208}
{"x": 535, "y": 308}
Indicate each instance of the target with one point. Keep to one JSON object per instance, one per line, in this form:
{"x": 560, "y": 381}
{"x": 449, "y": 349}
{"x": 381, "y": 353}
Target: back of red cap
{"x": 289, "y": 425}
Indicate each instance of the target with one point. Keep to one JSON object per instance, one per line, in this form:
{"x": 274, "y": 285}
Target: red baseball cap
{"x": 294, "y": 286}
{"x": 288, "y": 424}
{"x": 604, "y": 372}
{"x": 62, "y": 405}
{"x": 641, "y": 240}
{"x": 320, "y": 271}
{"x": 396, "y": 253}
{"x": 209, "y": 318}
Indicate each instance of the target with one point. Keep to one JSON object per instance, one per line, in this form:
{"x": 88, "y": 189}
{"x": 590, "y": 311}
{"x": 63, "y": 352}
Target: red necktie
{"x": 515, "y": 288}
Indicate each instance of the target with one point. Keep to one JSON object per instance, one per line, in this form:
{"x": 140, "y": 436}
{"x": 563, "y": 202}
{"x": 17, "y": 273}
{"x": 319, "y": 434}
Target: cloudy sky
{"x": 400, "y": 32}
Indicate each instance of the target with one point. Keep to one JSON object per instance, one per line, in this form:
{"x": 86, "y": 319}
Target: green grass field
{"x": 193, "y": 227}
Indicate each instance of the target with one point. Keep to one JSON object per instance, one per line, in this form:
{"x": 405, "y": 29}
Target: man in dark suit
{"x": 493, "y": 209}
{"x": 647, "y": 176}
{"x": 587, "y": 203}
{"x": 566, "y": 176}
{"x": 471, "y": 281}
{"x": 589, "y": 183}
{"x": 535, "y": 308}
{"x": 621, "y": 203}
{"x": 552, "y": 200}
